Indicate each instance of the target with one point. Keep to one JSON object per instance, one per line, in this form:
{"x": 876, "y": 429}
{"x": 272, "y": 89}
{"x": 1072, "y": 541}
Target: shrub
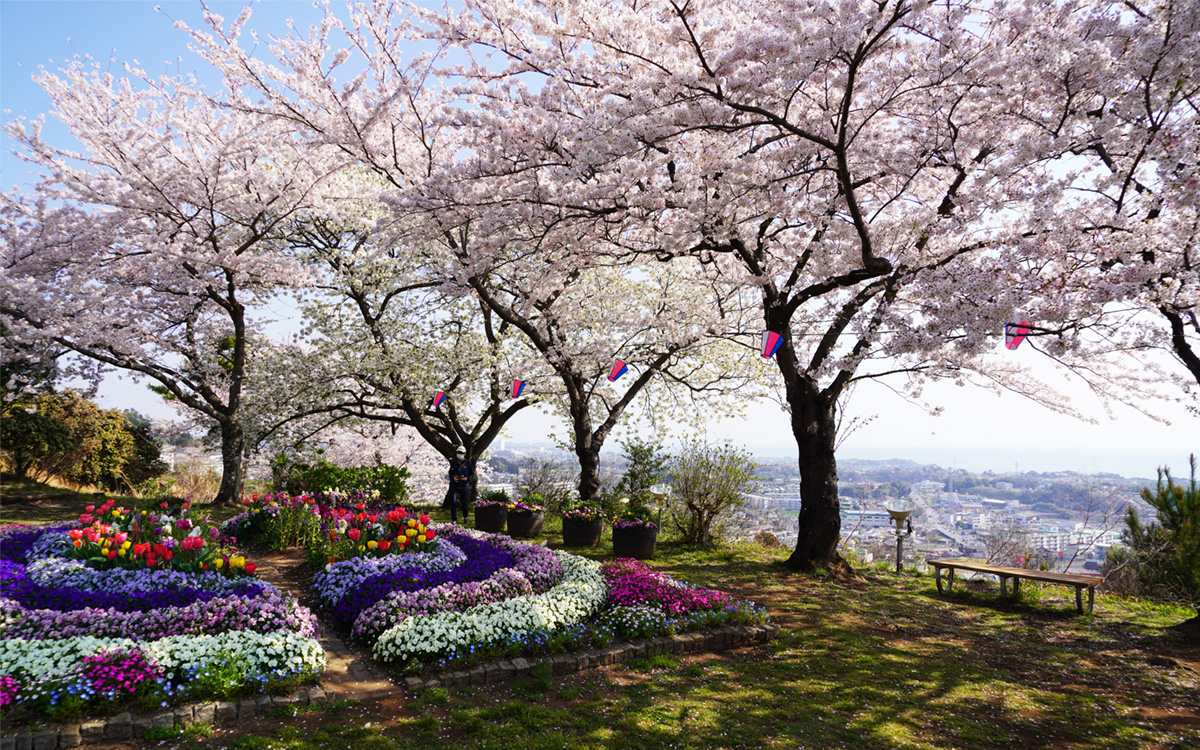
{"x": 550, "y": 480}
{"x": 1163, "y": 559}
{"x": 389, "y": 483}
{"x": 708, "y": 483}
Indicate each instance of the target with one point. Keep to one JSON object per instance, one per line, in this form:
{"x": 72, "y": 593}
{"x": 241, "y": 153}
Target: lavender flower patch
{"x": 270, "y": 612}
{"x": 341, "y": 577}
{"x": 452, "y": 597}
{"x": 16, "y": 541}
{"x": 483, "y": 558}
{"x": 51, "y": 571}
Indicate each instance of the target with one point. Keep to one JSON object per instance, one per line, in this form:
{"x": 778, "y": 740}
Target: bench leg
{"x": 1016, "y": 586}
{"x": 950, "y": 580}
{"x": 1079, "y": 598}
{"x": 1091, "y": 597}
{"x": 1004, "y": 587}
{"x": 937, "y": 576}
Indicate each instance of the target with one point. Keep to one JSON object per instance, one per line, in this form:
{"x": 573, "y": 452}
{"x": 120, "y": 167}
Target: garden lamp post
{"x": 660, "y": 492}
{"x": 900, "y": 510}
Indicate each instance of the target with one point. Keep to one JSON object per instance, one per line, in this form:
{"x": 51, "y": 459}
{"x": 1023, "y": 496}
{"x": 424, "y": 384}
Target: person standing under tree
{"x": 462, "y": 474}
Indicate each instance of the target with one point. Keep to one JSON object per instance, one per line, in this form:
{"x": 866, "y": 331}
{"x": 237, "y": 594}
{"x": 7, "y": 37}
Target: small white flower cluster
{"x": 580, "y": 594}
{"x": 261, "y": 652}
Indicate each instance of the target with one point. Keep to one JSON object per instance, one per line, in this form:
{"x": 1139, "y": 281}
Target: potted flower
{"x": 491, "y": 511}
{"x": 634, "y": 534}
{"x": 582, "y": 527}
{"x": 525, "y": 517}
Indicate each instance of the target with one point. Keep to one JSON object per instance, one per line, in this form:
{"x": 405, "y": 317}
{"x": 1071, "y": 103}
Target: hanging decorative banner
{"x": 618, "y": 369}
{"x": 518, "y": 388}
{"x": 770, "y": 343}
{"x": 438, "y": 399}
{"x": 1014, "y": 333}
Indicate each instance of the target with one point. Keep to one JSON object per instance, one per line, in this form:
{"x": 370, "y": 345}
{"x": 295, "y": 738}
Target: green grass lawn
{"x": 879, "y": 661}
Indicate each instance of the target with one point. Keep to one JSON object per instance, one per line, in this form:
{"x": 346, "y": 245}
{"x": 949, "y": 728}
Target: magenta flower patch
{"x": 632, "y": 583}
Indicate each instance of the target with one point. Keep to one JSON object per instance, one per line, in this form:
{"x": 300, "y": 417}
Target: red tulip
{"x": 353, "y": 534}
{"x": 111, "y": 554}
{"x": 424, "y": 519}
{"x": 430, "y": 534}
{"x": 384, "y": 545}
{"x": 167, "y": 555}
{"x": 250, "y": 568}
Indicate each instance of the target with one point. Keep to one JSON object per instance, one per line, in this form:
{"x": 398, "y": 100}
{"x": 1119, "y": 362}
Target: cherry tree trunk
{"x": 814, "y": 425}
{"x": 589, "y": 473}
{"x": 233, "y": 445}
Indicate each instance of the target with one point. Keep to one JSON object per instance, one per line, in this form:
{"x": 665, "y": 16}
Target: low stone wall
{"x": 718, "y": 639}
{"x": 127, "y": 726}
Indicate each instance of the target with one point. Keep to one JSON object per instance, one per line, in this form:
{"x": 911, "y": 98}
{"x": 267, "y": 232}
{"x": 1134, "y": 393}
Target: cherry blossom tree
{"x": 858, "y": 165}
{"x": 1123, "y": 97}
{"x": 525, "y": 274}
{"x": 149, "y": 248}
{"x": 394, "y": 339}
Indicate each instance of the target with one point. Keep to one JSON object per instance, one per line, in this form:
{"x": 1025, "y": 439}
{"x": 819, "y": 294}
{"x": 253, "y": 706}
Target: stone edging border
{"x": 127, "y": 726}
{"x": 717, "y": 639}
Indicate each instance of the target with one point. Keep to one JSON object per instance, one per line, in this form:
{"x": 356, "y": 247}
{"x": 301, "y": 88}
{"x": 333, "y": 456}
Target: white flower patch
{"x": 261, "y": 652}
{"x": 579, "y": 594}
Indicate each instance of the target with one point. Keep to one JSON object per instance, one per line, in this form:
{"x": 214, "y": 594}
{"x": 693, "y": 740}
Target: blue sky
{"x": 977, "y": 430}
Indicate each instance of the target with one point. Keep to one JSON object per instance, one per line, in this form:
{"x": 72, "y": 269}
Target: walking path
{"x": 349, "y": 674}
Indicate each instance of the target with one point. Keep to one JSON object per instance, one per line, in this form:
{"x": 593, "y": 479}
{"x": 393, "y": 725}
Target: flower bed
{"x": 508, "y": 597}
{"x": 140, "y": 605}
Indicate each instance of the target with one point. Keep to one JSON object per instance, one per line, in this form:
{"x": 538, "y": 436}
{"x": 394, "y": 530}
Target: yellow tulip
{"x": 237, "y": 562}
{"x": 219, "y": 563}
{"x": 411, "y": 532}
{"x": 420, "y": 537}
{"x": 372, "y": 544}
{"x": 121, "y": 552}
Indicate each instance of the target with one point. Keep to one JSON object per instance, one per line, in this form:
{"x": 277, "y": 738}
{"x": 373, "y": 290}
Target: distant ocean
{"x": 1127, "y": 463}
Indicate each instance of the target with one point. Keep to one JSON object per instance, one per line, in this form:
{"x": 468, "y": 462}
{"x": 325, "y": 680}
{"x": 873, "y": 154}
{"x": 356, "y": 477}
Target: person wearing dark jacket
{"x": 462, "y": 474}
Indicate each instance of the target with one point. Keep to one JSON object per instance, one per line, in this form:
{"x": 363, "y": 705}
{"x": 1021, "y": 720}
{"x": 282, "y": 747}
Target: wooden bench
{"x": 1016, "y": 574}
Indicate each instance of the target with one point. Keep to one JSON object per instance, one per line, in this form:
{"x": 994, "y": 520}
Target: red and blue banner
{"x": 770, "y": 343}
{"x": 518, "y": 388}
{"x": 1015, "y": 333}
{"x": 438, "y": 399}
{"x": 619, "y": 368}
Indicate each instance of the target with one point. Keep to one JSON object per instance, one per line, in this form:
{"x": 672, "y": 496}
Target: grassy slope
{"x": 879, "y": 662}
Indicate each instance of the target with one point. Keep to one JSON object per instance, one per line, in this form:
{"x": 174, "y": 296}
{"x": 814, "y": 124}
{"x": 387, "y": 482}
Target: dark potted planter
{"x": 578, "y": 533}
{"x": 490, "y": 518}
{"x": 634, "y": 541}
{"x": 525, "y": 523}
